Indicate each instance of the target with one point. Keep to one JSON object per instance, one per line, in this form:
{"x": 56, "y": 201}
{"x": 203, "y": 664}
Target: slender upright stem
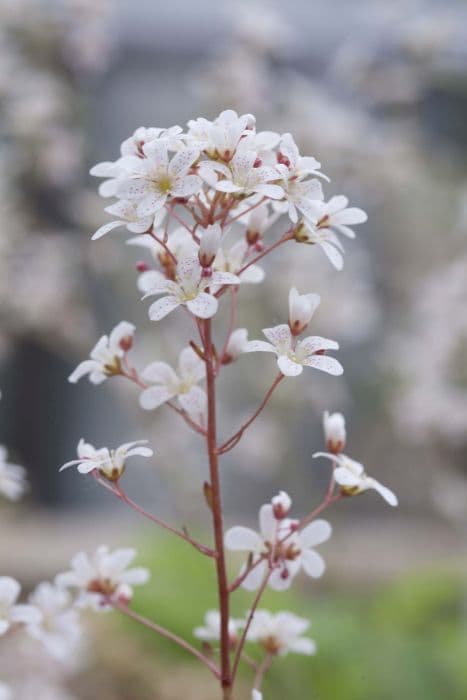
{"x": 216, "y": 508}
{"x": 249, "y": 620}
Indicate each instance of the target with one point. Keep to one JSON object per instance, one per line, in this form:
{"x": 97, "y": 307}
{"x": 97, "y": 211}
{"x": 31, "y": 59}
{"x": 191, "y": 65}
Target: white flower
{"x": 220, "y": 137}
{"x": 234, "y": 259}
{"x": 188, "y": 290}
{"x": 209, "y": 244}
{"x": 127, "y": 215}
{"x": 10, "y": 612}
{"x": 304, "y": 195}
{"x": 6, "y": 692}
{"x": 293, "y": 356}
{"x": 58, "y": 627}
{"x": 301, "y": 310}
{"x": 297, "y": 165}
{"x": 236, "y": 345}
{"x": 279, "y": 542}
{"x": 106, "y": 355}
{"x": 327, "y": 240}
{"x": 335, "y": 214}
{"x": 243, "y": 175}
{"x": 168, "y": 384}
{"x": 133, "y": 145}
{"x": 334, "y": 431}
{"x": 109, "y": 463}
{"x": 258, "y": 221}
{"x": 281, "y": 505}
{"x": 281, "y": 633}
{"x": 211, "y": 632}
{"x": 154, "y": 178}
{"x": 351, "y": 477}
{"x": 12, "y": 478}
{"x": 102, "y": 578}
{"x": 256, "y": 694}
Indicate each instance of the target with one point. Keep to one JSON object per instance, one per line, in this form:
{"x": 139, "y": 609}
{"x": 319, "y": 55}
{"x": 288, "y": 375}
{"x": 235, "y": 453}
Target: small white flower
{"x": 334, "y": 431}
{"x": 154, "y": 178}
{"x": 351, "y": 477}
{"x": 10, "y": 612}
{"x": 279, "y": 543}
{"x": 6, "y": 692}
{"x": 13, "y": 482}
{"x": 301, "y": 310}
{"x": 127, "y": 215}
{"x": 243, "y": 175}
{"x": 298, "y": 166}
{"x": 305, "y": 195}
{"x": 188, "y": 290}
{"x": 258, "y": 221}
{"x": 133, "y": 146}
{"x": 219, "y": 138}
{"x": 236, "y": 345}
{"x": 326, "y": 239}
{"x": 234, "y": 259}
{"x": 109, "y": 463}
{"x": 209, "y": 244}
{"x": 256, "y": 694}
{"x": 106, "y": 355}
{"x": 281, "y": 505}
{"x": 281, "y": 633}
{"x": 58, "y": 628}
{"x": 292, "y": 356}
{"x": 336, "y": 215}
{"x": 211, "y": 631}
{"x": 168, "y": 384}
{"x": 103, "y": 578}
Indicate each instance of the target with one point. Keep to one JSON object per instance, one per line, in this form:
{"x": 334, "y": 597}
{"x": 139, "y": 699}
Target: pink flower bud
{"x": 209, "y": 245}
{"x": 281, "y": 505}
{"x": 142, "y": 266}
{"x": 334, "y": 432}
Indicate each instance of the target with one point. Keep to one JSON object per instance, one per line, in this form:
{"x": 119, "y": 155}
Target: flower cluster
{"x": 205, "y": 204}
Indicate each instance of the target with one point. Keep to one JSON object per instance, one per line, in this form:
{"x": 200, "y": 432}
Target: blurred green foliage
{"x": 403, "y": 641}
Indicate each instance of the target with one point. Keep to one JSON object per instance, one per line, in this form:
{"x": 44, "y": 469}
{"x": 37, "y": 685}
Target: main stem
{"x": 216, "y": 507}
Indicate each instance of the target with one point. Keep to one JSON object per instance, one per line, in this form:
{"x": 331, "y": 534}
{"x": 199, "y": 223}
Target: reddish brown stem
{"x": 232, "y": 441}
{"x": 286, "y": 237}
{"x": 249, "y": 620}
{"x": 180, "y": 533}
{"x": 216, "y": 509}
{"x": 168, "y": 635}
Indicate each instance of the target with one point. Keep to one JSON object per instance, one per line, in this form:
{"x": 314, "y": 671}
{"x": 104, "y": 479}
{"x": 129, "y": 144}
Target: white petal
{"x": 151, "y": 203}
{"x": 314, "y": 343}
{"x": 267, "y": 523}
{"x": 106, "y": 228}
{"x": 255, "y": 578}
{"x": 386, "y": 493}
{"x": 333, "y": 255}
{"x": 203, "y": 306}
{"x": 190, "y": 184}
{"x": 242, "y": 539}
{"x": 315, "y": 533}
{"x": 344, "y": 477}
{"x": 194, "y": 401}
{"x": 159, "y": 373}
{"x": 182, "y": 161}
{"x": 313, "y": 563}
{"x": 83, "y": 368}
{"x": 279, "y": 335}
{"x": 288, "y": 367}
{"x": 259, "y": 346}
{"x": 325, "y": 364}
{"x": 154, "y": 397}
{"x": 303, "y": 646}
{"x": 162, "y": 307}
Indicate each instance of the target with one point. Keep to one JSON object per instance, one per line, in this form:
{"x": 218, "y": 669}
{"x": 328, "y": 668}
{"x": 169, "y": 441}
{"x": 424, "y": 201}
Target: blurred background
{"x": 377, "y": 92}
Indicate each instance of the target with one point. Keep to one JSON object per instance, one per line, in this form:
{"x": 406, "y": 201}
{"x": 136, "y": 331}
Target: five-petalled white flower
{"x": 12, "y": 613}
{"x": 103, "y": 578}
{"x": 109, "y": 464}
{"x": 58, "y": 627}
{"x": 211, "y": 630}
{"x": 106, "y": 355}
{"x": 351, "y": 477}
{"x": 293, "y": 355}
{"x": 166, "y": 383}
{"x": 188, "y": 290}
{"x": 279, "y": 551}
{"x": 281, "y": 633}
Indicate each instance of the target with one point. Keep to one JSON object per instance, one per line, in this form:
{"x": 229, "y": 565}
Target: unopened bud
{"x": 209, "y": 245}
{"x": 235, "y": 346}
{"x": 334, "y": 432}
{"x": 126, "y": 343}
{"x": 258, "y": 163}
{"x": 142, "y": 266}
{"x": 123, "y": 594}
{"x": 301, "y": 309}
{"x": 285, "y": 574}
{"x": 281, "y": 505}
{"x": 252, "y": 236}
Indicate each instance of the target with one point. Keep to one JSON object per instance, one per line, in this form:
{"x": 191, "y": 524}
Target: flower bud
{"x": 209, "y": 245}
{"x": 126, "y": 343}
{"x": 301, "y": 309}
{"x": 235, "y": 346}
{"x": 123, "y": 594}
{"x": 142, "y": 266}
{"x": 281, "y": 505}
{"x": 334, "y": 432}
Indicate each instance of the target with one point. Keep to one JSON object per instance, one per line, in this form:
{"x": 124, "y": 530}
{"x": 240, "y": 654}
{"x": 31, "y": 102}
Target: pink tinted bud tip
{"x": 142, "y": 266}
{"x": 259, "y": 246}
{"x": 283, "y": 160}
{"x": 284, "y": 574}
{"x": 258, "y": 163}
{"x": 206, "y": 272}
{"x": 126, "y": 343}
